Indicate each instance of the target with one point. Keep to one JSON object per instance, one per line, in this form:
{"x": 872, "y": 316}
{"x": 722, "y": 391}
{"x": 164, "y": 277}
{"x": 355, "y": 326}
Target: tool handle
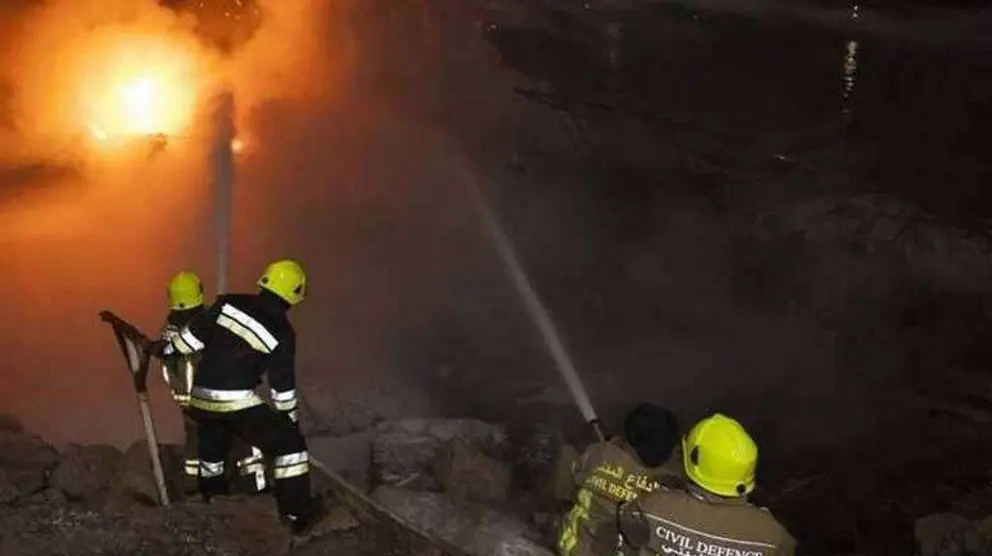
{"x": 152, "y": 438}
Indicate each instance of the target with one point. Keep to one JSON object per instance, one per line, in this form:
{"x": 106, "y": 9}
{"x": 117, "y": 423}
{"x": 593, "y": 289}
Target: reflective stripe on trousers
{"x": 254, "y": 465}
{"x": 291, "y": 465}
{"x": 223, "y": 401}
{"x": 211, "y": 469}
{"x": 191, "y": 467}
{"x": 283, "y": 401}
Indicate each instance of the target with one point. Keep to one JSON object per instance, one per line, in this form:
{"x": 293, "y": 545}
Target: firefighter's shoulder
{"x": 247, "y": 316}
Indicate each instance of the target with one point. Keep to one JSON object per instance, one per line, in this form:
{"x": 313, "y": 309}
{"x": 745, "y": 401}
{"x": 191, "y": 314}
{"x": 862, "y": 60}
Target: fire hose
{"x": 365, "y": 507}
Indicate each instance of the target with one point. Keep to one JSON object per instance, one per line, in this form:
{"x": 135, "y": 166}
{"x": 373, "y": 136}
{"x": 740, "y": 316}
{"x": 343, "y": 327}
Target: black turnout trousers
{"x": 274, "y": 434}
{"x": 191, "y": 463}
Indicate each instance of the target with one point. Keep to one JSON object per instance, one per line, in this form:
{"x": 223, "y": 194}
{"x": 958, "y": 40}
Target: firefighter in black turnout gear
{"x": 241, "y": 337}
{"x": 186, "y": 300}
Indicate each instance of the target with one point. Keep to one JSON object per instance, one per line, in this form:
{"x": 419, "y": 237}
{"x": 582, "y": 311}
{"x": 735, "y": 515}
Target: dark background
{"x": 711, "y": 222}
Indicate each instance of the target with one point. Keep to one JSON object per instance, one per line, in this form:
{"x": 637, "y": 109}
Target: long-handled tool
{"x": 135, "y": 347}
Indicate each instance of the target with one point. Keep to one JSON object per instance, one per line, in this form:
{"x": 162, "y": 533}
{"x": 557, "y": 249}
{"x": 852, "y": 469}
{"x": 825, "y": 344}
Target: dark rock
{"x": 9, "y": 492}
{"x": 472, "y": 527}
{"x": 349, "y": 456}
{"x": 20, "y": 449}
{"x": 21, "y": 483}
{"x": 948, "y": 534}
{"x": 10, "y": 423}
{"x": 339, "y": 518}
{"x": 463, "y": 470}
{"x": 135, "y": 479}
{"x": 52, "y": 496}
{"x": 403, "y": 452}
{"x": 938, "y": 254}
{"x": 403, "y": 459}
{"x": 559, "y": 484}
{"x": 86, "y": 471}
{"x": 543, "y": 464}
{"x": 25, "y": 461}
{"x": 535, "y": 452}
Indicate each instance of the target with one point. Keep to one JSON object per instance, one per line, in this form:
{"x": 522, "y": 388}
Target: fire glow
{"x": 140, "y": 86}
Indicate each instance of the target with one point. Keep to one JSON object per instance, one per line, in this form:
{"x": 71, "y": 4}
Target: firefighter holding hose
{"x": 710, "y": 513}
{"x": 612, "y": 472}
{"x": 185, "y": 293}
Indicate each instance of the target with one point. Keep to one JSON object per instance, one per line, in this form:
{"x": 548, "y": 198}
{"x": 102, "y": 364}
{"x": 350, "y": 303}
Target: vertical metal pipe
{"x": 222, "y": 159}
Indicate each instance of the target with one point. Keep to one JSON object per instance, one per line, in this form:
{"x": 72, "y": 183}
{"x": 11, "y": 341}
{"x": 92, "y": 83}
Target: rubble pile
{"x": 452, "y": 478}
{"x": 98, "y": 500}
{"x": 463, "y": 483}
{"x": 470, "y": 484}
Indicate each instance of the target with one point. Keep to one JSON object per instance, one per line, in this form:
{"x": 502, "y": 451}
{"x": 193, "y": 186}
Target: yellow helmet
{"x": 185, "y": 291}
{"x": 720, "y": 456}
{"x": 286, "y": 279}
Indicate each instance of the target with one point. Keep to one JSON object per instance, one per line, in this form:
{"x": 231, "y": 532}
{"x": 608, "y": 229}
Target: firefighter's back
{"x": 687, "y": 522}
{"x": 242, "y": 334}
{"x": 610, "y": 474}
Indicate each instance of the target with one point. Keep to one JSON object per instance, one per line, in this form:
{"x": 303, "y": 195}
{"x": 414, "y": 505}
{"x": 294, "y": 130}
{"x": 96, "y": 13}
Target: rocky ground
{"x": 470, "y": 488}
{"x": 97, "y": 500}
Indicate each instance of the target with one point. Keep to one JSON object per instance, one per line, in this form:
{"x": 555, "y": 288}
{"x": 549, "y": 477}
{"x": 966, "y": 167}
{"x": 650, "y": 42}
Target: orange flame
{"x": 140, "y": 85}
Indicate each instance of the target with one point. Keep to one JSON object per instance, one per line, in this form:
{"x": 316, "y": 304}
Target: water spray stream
{"x": 538, "y": 313}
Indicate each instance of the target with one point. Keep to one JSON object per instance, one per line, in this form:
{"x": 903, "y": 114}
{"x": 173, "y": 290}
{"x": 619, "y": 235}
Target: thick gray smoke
{"x": 334, "y": 170}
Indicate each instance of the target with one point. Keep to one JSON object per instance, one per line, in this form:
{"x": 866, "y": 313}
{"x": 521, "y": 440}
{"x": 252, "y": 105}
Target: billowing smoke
{"x": 359, "y": 123}
{"x": 341, "y": 163}
{"x": 104, "y": 184}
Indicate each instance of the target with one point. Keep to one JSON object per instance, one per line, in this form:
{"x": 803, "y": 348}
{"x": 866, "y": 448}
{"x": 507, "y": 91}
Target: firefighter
{"x": 186, "y": 298}
{"x": 240, "y": 338}
{"x": 185, "y": 301}
{"x": 710, "y": 514}
{"x": 616, "y": 471}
